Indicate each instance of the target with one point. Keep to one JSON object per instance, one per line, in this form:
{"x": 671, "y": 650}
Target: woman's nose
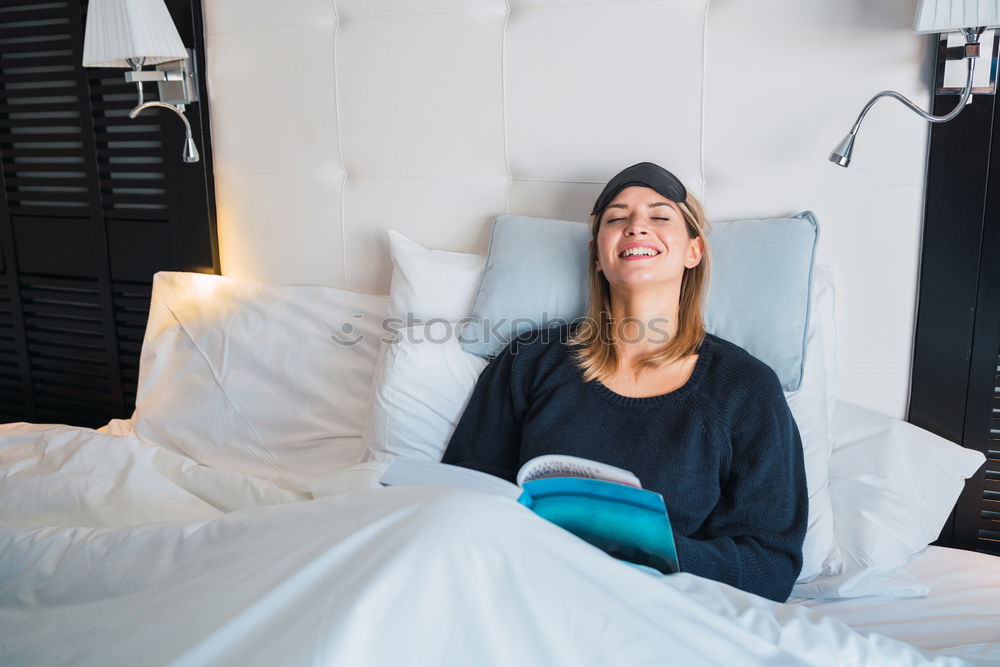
{"x": 636, "y": 226}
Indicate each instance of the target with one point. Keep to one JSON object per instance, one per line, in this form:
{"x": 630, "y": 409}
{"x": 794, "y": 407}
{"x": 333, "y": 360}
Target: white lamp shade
{"x": 121, "y": 29}
{"x": 953, "y": 15}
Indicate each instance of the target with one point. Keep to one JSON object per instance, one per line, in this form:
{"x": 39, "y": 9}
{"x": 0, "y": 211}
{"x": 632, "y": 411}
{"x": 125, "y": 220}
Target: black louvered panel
{"x": 131, "y": 313}
{"x": 94, "y": 203}
{"x": 130, "y": 151}
{"x": 12, "y": 401}
{"x": 989, "y": 530}
{"x": 41, "y": 131}
{"x": 70, "y": 368}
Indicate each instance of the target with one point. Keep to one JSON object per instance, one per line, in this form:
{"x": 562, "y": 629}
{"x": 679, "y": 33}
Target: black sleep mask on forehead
{"x": 646, "y": 174}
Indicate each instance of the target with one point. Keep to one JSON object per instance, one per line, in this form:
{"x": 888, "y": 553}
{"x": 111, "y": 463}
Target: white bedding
{"x": 960, "y": 611}
{"x": 116, "y": 552}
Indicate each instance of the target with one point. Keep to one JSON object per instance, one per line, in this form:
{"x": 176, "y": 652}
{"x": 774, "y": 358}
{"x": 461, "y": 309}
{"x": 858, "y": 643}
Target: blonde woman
{"x": 639, "y": 384}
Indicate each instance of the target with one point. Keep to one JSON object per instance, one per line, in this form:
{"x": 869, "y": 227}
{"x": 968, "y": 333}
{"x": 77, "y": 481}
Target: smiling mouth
{"x": 639, "y": 253}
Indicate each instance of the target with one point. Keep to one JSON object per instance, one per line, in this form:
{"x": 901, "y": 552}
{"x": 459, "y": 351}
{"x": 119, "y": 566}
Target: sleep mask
{"x": 646, "y": 174}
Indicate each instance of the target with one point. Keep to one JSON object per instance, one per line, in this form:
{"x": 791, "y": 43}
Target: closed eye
{"x": 610, "y": 220}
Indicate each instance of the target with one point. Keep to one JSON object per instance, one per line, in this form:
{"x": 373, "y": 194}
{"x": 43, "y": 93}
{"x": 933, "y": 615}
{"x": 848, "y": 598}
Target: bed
{"x": 957, "y": 615}
{"x": 236, "y": 518}
{"x": 157, "y": 561}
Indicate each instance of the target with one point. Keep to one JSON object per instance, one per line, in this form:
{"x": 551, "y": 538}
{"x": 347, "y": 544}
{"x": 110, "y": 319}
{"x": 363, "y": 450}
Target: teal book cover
{"x": 628, "y": 523}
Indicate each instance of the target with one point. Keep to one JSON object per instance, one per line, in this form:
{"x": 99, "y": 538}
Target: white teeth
{"x": 639, "y": 251}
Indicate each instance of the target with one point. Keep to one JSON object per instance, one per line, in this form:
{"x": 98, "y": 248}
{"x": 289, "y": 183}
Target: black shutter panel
{"x": 95, "y": 204}
{"x": 989, "y": 525}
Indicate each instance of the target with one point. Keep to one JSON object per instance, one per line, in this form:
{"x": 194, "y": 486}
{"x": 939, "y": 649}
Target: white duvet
{"x": 115, "y": 552}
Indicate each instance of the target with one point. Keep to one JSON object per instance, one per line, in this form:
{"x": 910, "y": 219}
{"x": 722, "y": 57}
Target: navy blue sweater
{"x": 723, "y": 449}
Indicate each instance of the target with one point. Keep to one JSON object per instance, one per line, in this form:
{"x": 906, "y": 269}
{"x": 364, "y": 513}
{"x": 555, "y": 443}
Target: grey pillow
{"x": 536, "y": 276}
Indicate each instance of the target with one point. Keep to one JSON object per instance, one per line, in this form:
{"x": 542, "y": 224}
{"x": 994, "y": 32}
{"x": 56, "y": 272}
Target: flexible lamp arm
{"x": 138, "y": 76}
{"x": 841, "y": 155}
{"x": 190, "y": 153}
{"x": 963, "y": 100}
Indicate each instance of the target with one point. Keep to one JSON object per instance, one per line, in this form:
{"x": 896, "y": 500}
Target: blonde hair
{"x": 596, "y": 354}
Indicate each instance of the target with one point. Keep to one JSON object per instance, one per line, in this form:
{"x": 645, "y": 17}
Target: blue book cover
{"x": 601, "y": 504}
{"x": 626, "y": 522}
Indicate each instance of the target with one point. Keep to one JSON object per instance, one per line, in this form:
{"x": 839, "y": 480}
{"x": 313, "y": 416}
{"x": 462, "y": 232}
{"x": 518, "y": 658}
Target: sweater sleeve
{"x": 488, "y": 435}
{"x": 753, "y": 538}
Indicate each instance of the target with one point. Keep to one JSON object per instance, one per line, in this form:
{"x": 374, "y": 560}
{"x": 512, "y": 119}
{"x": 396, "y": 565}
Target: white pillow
{"x": 270, "y": 380}
{"x": 422, "y": 384}
{"x": 828, "y": 304}
{"x": 820, "y": 555}
{"x": 893, "y": 486}
{"x": 423, "y": 380}
{"x": 429, "y": 284}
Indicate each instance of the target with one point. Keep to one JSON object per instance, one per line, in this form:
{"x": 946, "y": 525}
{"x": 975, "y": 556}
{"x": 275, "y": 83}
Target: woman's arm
{"x": 488, "y": 436}
{"x": 753, "y": 538}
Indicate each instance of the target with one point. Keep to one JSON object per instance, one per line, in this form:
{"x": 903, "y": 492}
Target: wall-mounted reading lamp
{"x": 134, "y": 33}
{"x": 971, "y": 18}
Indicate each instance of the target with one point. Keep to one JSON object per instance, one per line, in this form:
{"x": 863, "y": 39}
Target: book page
{"x": 417, "y": 472}
{"x": 562, "y": 465}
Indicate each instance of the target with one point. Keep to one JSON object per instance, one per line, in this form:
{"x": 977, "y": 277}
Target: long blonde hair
{"x": 596, "y": 353}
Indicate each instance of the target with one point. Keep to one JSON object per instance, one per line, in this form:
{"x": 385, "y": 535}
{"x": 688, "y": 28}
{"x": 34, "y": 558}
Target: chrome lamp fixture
{"x": 135, "y": 33}
{"x": 971, "y": 18}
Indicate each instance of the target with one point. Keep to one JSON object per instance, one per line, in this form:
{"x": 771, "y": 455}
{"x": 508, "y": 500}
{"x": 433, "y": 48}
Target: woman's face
{"x": 642, "y": 240}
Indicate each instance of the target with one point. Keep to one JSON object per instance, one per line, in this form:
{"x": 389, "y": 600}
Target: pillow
{"x": 892, "y": 486}
{"x": 536, "y": 274}
{"x": 422, "y": 384}
{"x": 269, "y": 380}
{"x": 820, "y": 555}
{"x": 430, "y": 284}
{"x": 828, "y": 311}
{"x": 414, "y": 405}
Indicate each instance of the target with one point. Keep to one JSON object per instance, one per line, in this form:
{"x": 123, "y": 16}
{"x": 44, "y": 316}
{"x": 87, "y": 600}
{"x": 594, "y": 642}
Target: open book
{"x": 599, "y": 503}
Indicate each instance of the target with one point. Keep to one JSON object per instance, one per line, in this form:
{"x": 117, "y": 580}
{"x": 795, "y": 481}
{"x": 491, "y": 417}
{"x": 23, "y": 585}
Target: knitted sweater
{"x": 723, "y": 449}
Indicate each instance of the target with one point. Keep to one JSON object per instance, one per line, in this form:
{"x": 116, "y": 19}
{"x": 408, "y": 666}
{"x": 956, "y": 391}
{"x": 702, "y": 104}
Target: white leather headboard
{"x": 335, "y": 120}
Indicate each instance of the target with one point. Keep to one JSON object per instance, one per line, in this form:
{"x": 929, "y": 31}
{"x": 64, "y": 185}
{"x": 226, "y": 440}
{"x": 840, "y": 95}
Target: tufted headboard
{"x": 334, "y": 120}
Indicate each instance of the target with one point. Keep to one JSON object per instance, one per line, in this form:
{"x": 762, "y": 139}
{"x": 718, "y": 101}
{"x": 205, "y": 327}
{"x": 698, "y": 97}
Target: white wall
{"x": 333, "y": 121}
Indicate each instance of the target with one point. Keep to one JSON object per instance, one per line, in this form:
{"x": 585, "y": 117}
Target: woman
{"x": 639, "y": 384}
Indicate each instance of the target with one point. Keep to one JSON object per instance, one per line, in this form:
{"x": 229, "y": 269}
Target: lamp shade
{"x": 953, "y": 15}
{"x": 121, "y": 29}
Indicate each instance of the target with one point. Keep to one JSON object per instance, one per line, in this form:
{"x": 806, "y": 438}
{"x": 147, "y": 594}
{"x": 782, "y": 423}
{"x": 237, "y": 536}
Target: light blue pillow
{"x": 536, "y": 276}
